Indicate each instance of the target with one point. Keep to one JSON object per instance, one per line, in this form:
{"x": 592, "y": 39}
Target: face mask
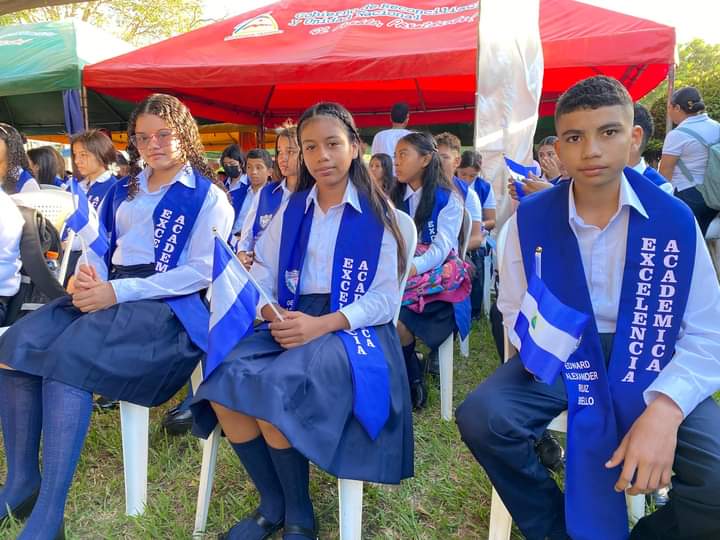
{"x": 233, "y": 171}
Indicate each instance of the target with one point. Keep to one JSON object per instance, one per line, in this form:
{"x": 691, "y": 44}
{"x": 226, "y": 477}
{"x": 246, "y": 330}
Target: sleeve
{"x": 375, "y": 148}
{"x": 10, "y": 236}
{"x": 513, "y": 282}
{"x": 380, "y": 303}
{"x": 267, "y": 259}
{"x": 30, "y": 185}
{"x": 490, "y": 202}
{"x": 474, "y": 205}
{"x": 674, "y": 144}
{"x": 693, "y": 374}
{"x": 448, "y": 229}
{"x": 246, "y": 242}
{"x": 195, "y": 271}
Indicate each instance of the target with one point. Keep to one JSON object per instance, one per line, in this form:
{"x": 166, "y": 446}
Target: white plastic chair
{"x": 500, "y": 518}
{"x": 350, "y": 492}
{"x": 712, "y": 237}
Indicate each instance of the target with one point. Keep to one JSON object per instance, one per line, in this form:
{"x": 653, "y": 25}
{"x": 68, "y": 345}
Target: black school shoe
{"x": 301, "y": 531}
{"x": 269, "y": 528}
{"x": 104, "y": 404}
{"x": 550, "y": 453}
{"x": 24, "y": 509}
{"x": 177, "y": 422}
{"x": 418, "y": 395}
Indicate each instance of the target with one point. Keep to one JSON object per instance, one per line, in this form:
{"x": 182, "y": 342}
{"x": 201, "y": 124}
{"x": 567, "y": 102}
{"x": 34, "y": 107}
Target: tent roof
{"x": 46, "y": 57}
{"x": 10, "y": 6}
{"x": 271, "y": 63}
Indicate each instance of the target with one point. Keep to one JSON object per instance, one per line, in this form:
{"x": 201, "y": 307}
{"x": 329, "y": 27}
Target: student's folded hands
{"x": 89, "y": 292}
{"x": 298, "y": 328}
{"x": 648, "y": 449}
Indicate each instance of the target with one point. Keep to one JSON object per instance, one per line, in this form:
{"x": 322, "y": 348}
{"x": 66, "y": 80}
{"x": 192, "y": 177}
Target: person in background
{"x": 44, "y": 166}
{"x": 123, "y": 164}
{"x": 684, "y": 158}
{"x": 637, "y": 161}
{"x": 385, "y": 141}
{"x": 10, "y": 235}
{"x": 552, "y": 167}
{"x": 381, "y": 172}
{"x": 15, "y": 175}
{"x": 469, "y": 171}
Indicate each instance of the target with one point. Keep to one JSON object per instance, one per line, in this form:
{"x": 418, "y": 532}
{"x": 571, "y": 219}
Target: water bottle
{"x": 51, "y": 257}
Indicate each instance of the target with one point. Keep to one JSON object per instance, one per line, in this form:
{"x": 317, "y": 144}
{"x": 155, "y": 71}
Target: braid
{"x": 178, "y": 118}
{"x": 16, "y": 157}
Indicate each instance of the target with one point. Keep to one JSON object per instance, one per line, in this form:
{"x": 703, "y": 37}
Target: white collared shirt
{"x": 693, "y": 154}
{"x": 694, "y": 372}
{"x": 448, "y": 229}
{"x": 85, "y": 186}
{"x": 30, "y": 185}
{"x": 134, "y": 228}
{"x": 642, "y": 166}
{"x": 377, "y": 306}
{"x": 10, "y": 235}
{"x": 473, "y": 205}
{"x": 247, "y": 242}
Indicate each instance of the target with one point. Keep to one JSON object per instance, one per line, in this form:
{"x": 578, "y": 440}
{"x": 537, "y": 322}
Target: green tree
{"x": 137, "y": 21}
{"x": 700, "y": 67}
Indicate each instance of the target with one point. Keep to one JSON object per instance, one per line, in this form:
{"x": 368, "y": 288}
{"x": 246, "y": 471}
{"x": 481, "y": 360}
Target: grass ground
{"x": 449, "y": 497}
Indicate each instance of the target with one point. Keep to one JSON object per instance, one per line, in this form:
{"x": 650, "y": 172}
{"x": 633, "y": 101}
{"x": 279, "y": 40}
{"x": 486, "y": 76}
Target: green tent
{"x": 41, "y": 62}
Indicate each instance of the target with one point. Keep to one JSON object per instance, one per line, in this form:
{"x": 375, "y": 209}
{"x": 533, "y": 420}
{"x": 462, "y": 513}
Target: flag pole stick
{"x": 262, "y": 292}
{"x": 538, "y": 262}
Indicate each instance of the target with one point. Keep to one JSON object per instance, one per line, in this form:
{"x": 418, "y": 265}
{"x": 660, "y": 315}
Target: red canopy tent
{"x": 266, "y": 65}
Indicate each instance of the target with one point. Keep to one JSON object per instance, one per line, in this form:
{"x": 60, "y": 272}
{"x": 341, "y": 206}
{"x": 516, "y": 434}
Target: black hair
{"x": 471, "y": 158}
{"x": 46, "y": 162}
{"x": 16, "y": 157}
{"x": 593, "y": 93}
{"x": 550, "y": 140}
{"x": 120, "y": 159}
{"x": 234, "y": 152}
{"x": 399, "y": 113}
{"x": 688, "y": 99}
{"x": 98, "y": 144}
{"x": 358, "y": 173}
{"x": 289, "y": 131}
{"x": 432, "y": 178}
{"x": 645, "y": 121}
{"x": 388, "y": 180}
{"x": 260, "y": 153}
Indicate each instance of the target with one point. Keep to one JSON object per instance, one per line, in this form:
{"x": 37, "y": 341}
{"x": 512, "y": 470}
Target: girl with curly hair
{"x": 15, "y": 175}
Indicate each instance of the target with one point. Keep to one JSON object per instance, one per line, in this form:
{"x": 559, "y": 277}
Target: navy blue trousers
{"x": 501, "y": 420}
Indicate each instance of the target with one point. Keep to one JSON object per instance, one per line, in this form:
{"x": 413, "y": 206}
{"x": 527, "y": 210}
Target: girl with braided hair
{"x": 325, "y": 381}
{"x": 15, "y": 175}
{"x": 134, "y": 333}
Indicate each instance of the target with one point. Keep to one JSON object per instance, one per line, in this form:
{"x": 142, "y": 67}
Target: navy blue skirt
{"x": 133, "y": 351}
{"x": 433, "y": 325}
{"x": 307, "y": 394}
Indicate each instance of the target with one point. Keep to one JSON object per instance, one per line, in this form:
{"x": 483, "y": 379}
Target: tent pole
{"x": 84, "y": 105}
{"x": 671, "y": 90}
{"x": 477, "y": 79}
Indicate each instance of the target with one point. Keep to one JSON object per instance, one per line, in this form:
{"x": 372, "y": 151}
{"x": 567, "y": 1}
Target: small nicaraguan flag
{"x": 233, "y": 302}
{"x": 520, "y": 172}
{"x": 84, "y": 221}
{"x": 547, "y": 330}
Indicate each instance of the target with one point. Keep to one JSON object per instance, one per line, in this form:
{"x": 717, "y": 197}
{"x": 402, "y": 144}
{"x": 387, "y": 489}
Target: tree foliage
{"x": 700, "y": 67}
{"x": 136, "y": 21}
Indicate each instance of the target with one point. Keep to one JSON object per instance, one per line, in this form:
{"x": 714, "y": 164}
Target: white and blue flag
{"x": 84, "y": 221}
{"x": 519, "y": 173}
{"x": 233, "y": 302}
{"x": 547, "y": 331}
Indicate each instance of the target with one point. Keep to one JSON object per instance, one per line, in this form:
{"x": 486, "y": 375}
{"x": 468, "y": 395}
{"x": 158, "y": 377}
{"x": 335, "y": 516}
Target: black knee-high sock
{"x": 412, "y": 364}
{"x": 255, "y": 458}
{"x": 294, "y": 473}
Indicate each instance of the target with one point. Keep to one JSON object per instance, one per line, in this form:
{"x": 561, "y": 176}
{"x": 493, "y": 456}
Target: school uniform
{"x": 485, "y": 191}
{"x": 437, "y": 321}
{"x": 654, "y": 176}
{"x": 10, "y": 235}
{"x": 143, "y": 348}
{"x": 311, "y": 393}
{"x": 264, "y": 207}
{"x": 649, "y": 283}
{"x": 241, "y": 196}
{"x": 26, "y": 182}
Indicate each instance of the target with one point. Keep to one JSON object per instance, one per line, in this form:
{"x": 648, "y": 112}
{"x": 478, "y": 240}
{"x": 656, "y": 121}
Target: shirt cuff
{"x": 420, "y": 264}
{"x": 126, "y": 289}
{"x": 355, "y": 315}
{"x": 683, "y": 394}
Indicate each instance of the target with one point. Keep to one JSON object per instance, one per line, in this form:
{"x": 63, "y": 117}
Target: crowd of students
{"x": 328, "y": 377}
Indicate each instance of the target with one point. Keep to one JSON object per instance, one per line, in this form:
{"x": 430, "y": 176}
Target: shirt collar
{"x": 104, "y": 177}
{"x": 409, "y": 192}
{"x": 350, "y": 197}
{"x": 641, "y": 166}
{"x": 694, "y": 119}
{"x": 628, "y": 198}
{"x": 185, "y": 176}
{"x": 242, "y": 181}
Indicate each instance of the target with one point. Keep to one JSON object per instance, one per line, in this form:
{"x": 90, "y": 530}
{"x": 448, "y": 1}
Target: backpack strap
{"x": 683, "y": 168}
{"x": 694, "y": 135}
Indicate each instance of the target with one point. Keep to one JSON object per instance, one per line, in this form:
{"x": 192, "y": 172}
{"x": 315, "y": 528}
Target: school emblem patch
{"x": 265, "y": 220}
{"x": 291, "y": 280}
{"x": 262, "y": 25}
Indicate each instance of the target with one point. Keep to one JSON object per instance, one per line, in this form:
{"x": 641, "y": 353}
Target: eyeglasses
{"x": 163, "y": 137}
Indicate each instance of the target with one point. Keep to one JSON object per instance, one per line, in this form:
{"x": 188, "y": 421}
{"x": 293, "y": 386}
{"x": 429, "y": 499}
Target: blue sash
{"x": 604, "y": 402}
{"x": 24, "y": 178}
{"x": 354, "y": 266}
{"x": 58, "y": 182}
{"x": 174, "y": 218}
{"x": 429, "y": 228}
{"x": 654, "y": 176}
{"x": 482, "y": 188}
{"x": 237, "y": 197}
{"x": 270, "y": 199}
{"x": 98, "y": 190}
{"x": 462, "y": 187}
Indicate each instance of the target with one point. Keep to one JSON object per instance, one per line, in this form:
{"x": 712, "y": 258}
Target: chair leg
{"x": 134, "y": 422}
{"x": 350, "y": 495}
{"x": 445, "y": 358}
{"x": 465, "y": 347}
{"x": 486, "y": 284}
{"x": 500, "y": 519}
{"x": 207, "y": 476}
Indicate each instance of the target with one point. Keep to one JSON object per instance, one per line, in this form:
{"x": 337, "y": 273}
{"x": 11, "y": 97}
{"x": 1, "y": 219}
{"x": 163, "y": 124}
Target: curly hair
{"x": 593, "y": 93}
{"x": 358, "y": 173}
{"x": 16, "y": 157}
{"x": 178, "y": 118}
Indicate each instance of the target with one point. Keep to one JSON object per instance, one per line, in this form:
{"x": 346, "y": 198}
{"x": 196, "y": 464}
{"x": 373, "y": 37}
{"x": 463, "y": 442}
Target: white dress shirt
{"x": 30, "y": 185}
{"x": 642, "y": 166}
{"x": 377, "y": 306}
{"x": 10, "y": 235}
{"x": 134, "y": 229}
{"x": 448, "y": 229}
{"x": 85, "y": 186}
{"x": 473, "y": 205}
{"x": 693, "y": 154}
{"x": 693, "y": 374}
{"x": 247, "y": 242}
{"x": 246, "y": 205}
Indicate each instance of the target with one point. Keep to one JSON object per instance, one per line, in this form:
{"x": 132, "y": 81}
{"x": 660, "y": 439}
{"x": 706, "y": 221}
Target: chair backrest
{"x": 500, "y": 243}
{"x": 466, "y": 232}
{"x": 409, "y": 234}
{"x": 55, "y": 205}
